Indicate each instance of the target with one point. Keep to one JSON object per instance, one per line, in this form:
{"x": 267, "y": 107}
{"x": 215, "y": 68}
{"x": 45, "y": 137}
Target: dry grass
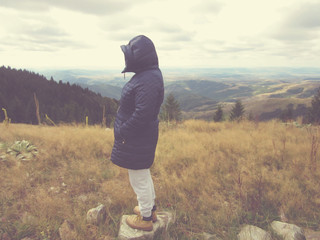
{"x": 213, "y": 176}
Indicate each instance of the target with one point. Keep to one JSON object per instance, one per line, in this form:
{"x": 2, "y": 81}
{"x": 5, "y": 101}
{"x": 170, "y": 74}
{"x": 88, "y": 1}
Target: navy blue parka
{"x": 136, "y": 123}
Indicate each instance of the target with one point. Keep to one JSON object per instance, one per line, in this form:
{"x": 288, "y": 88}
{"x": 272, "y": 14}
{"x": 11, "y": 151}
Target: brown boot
{"x": 137, "y": 222}
{"x": 136, "y": 210}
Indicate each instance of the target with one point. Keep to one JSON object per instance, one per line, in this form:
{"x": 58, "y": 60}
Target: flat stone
{"x": 288, "y": 231}
{"x": 159, "y": 228}
{"x": 250, "y": 232}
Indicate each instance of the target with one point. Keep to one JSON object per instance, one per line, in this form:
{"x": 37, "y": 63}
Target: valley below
{"x": 264, "y": 92}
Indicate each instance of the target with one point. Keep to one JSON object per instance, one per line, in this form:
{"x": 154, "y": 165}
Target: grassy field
{"x": 214, "y": 177}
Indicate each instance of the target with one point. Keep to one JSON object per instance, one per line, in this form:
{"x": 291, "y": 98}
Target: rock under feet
{"x": 159, "y": 228}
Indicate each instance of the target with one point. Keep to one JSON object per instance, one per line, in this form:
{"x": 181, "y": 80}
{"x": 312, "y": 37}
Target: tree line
{"x": 58, "y": 102}
{"x": 28, "y": 97}
{"x": 171, "y": 111}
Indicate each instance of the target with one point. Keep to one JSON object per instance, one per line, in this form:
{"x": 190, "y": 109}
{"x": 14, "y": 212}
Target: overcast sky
{"x": 204, "y": 33}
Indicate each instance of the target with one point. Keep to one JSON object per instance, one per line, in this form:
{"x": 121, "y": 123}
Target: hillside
{"x": 218, "y": 91}
{"x": 104, "y": 89}
{"x": 106, "y": 83}
{"x": 263, "y": 99}
{"x": 61, "y": 102}
{"x": 215, "y": 178}
{"x": 266, "y": 92}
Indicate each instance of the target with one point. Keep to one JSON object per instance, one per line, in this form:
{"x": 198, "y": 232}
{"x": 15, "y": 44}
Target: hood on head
{"x": 140, "y": 54}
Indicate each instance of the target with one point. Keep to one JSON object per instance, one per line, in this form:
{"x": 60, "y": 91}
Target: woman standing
{"x": 136, "y": 126}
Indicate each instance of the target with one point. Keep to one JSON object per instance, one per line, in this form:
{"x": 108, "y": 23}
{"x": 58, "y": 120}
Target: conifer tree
{"x": 287, "y": 114}
{"x": 237, "y": 111}
{"x": 251, "y": 117}
{"x": 170, "y": 111}
{"x": 313, "y": 115}
{"x": 61, "y": 101}
{"x": 218, "y": 115}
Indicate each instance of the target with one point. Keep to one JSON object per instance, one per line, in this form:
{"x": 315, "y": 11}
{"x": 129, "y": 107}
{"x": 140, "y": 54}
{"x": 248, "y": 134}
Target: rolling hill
{"x": 263, "y": 99}
{"x": 265, "y": 92}
{"x": 104, "y": 89}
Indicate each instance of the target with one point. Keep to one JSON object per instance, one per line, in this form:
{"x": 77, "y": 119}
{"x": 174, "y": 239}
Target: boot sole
{"x": 139, "y": 228}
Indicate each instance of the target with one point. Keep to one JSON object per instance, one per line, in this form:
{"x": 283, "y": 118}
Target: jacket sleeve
{"x": 146, "y": 103}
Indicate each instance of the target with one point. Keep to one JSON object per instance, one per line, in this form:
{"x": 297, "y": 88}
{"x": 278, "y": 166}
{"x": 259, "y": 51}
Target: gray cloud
{"x": 44, "y": 32}
{"x": 171, "y": 32}
{"x": 122, "y": 36}
{"x": 181, "y": 36}
{"x": 97, "y": 7}
{"x": 208, "y": 7}
{"x": 232, "y": 49}
{"x": 294, "y": 34}
{"x": 167, "y": 27}
{"x": 248, "y": 44}
{"x": 28, "y": 5}
{"x": 119, "y": 23}
{"x": 118, "y": 29}
{"x": 301, "y": 24}
{"x": 203, "y": 10}
{"x": 295, "y": 51}
{"x": 169, "y": 47}
{"x": 40, "y": 42}
{"x": 37, "y": 34}
{"x": 306, "y": 16}
{"x": 123, "y": 32}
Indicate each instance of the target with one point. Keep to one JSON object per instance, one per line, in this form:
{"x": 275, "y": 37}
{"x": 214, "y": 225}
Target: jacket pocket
{"x": 117, "y": 134}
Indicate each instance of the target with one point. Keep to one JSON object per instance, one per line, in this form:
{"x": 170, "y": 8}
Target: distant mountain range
{"x": 104, "y": 89}
{"x": 265, "y": 92}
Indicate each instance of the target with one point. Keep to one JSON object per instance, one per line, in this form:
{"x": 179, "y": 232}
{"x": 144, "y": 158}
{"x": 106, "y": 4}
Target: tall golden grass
{"x": 214, "y": 177}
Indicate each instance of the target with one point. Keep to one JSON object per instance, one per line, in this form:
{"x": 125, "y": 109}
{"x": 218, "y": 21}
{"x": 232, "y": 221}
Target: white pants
{"x": 142, "y": 185}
